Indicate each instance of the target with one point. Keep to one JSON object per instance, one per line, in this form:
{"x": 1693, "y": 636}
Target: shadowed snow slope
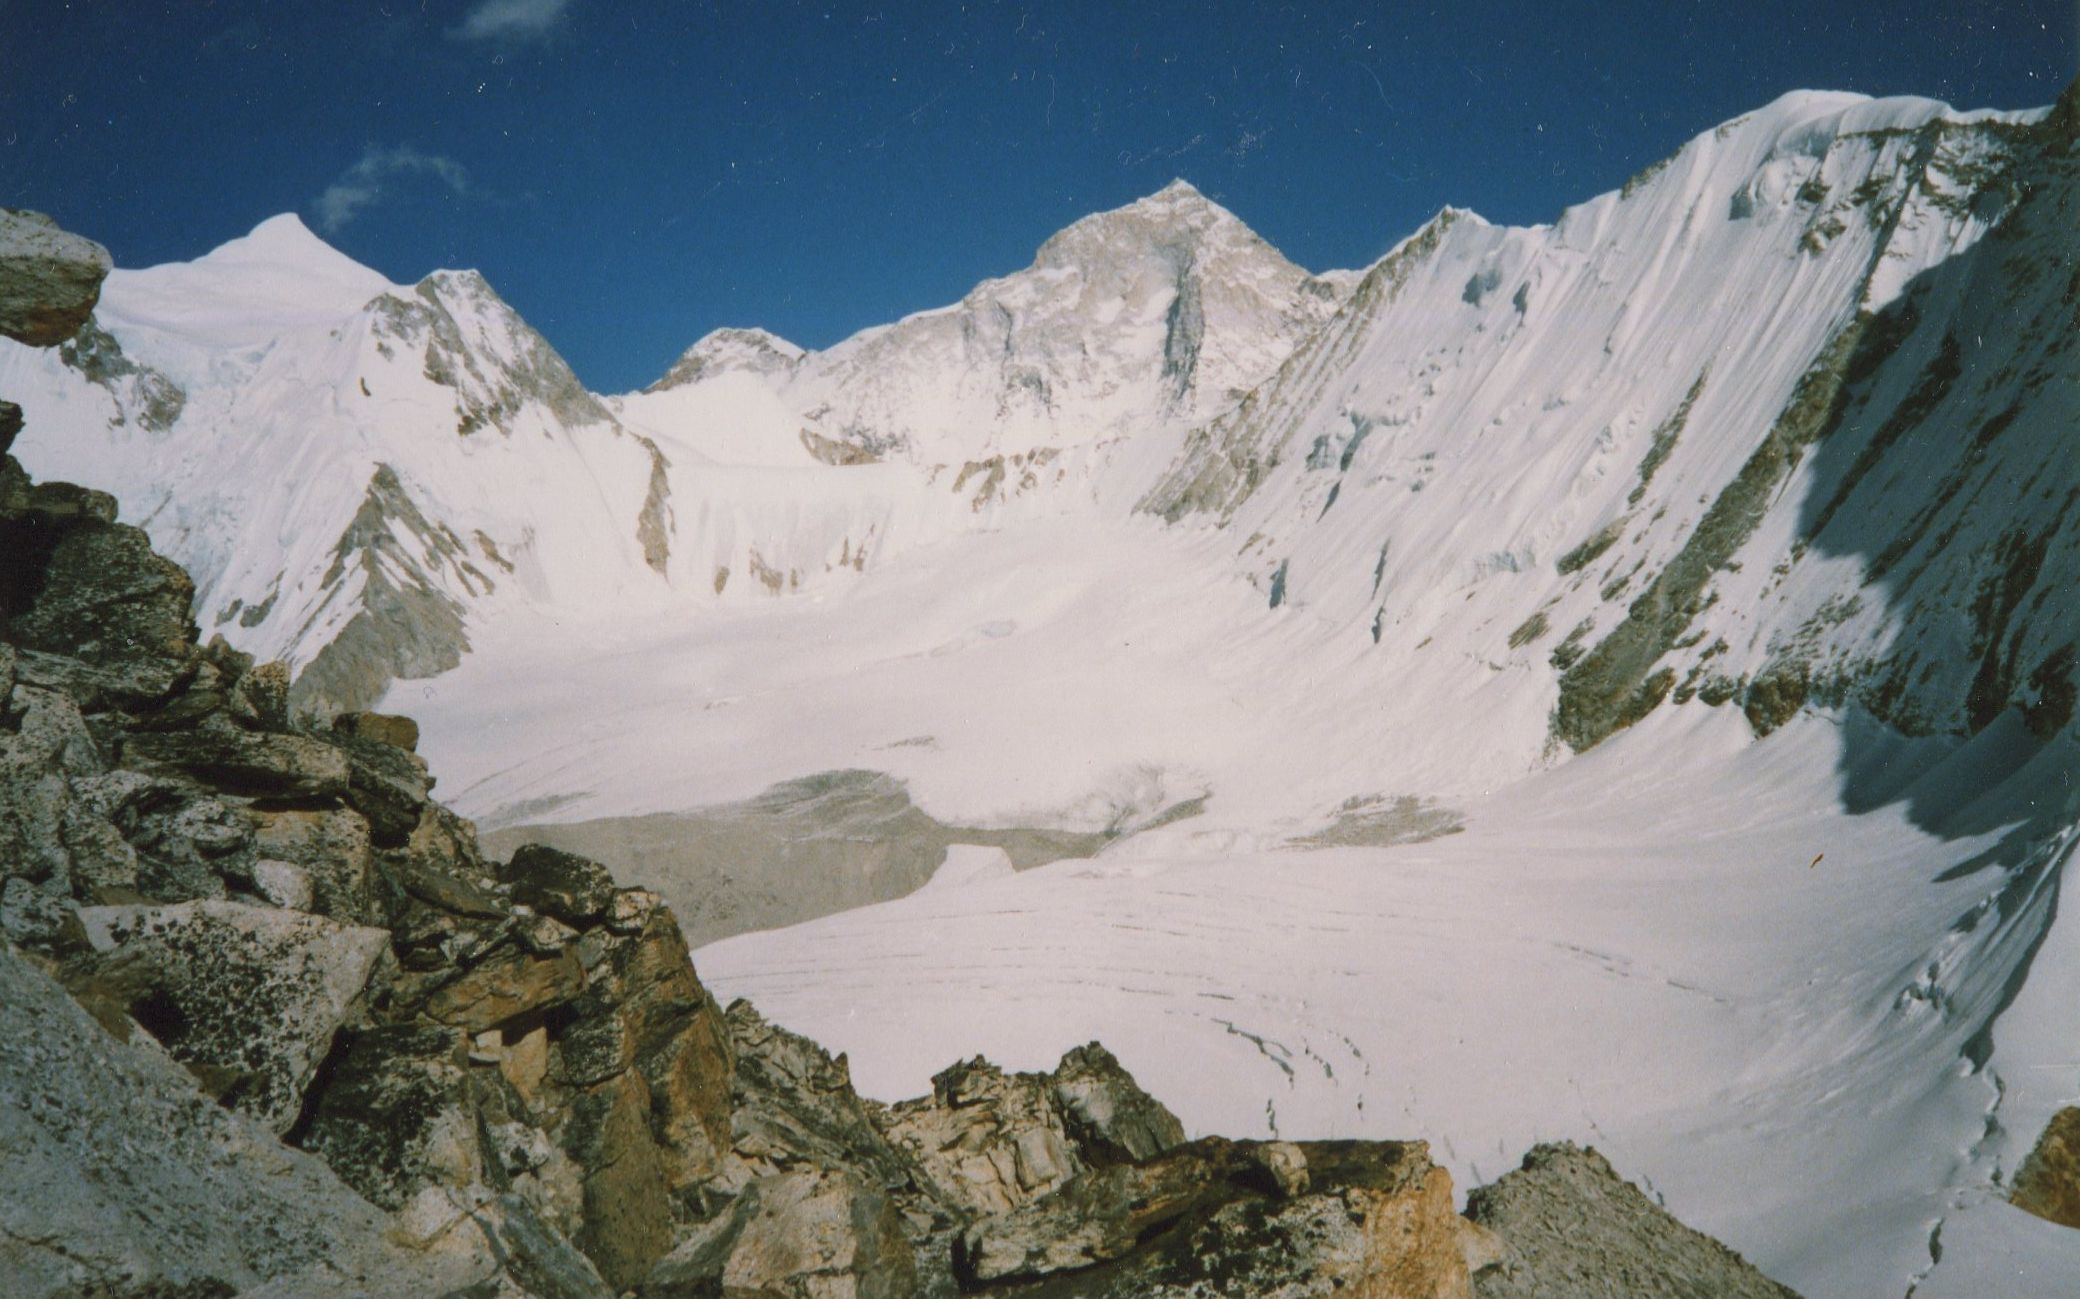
{"x": 1709, "y": 555}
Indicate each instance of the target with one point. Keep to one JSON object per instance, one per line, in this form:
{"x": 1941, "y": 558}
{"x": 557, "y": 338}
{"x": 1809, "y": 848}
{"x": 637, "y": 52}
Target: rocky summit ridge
{"x": 276, "y": 1026}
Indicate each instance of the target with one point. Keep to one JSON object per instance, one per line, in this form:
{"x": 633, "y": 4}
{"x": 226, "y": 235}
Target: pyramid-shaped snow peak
{"x": 731, "y": 350}
{"x": 279, "y": 278}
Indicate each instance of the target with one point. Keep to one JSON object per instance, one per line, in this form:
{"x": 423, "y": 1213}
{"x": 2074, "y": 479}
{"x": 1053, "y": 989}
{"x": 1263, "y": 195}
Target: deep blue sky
{"x": 631, "y": 173}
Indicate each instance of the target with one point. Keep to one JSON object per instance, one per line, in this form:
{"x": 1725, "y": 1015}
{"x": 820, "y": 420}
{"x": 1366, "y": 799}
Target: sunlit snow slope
{"x": 1708, "y": 559}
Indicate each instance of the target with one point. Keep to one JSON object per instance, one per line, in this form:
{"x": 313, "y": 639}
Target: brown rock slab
{"x": 990, "y": 1141}
{"x": 792, "y": 1100}
{"x": 331, "y": 846}
{"x": 381, "y": 728}
{"x": 2049, "y": 1183}
{"x": 508, "y": 983}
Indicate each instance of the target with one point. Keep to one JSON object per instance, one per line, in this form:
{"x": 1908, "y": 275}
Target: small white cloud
{"x": 368, "y": 180}
{"x": 509, "y": 19}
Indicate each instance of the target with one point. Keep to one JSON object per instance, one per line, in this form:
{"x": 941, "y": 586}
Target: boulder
{"x": 47, "y": 748}
{"x": 1569, "y": 1224}
{"x": 282, "y": 884}
{"x": 560, "y": 884}
{"x": 990, "y": 1141}
{"x": 165, "y": 839}
{"x": 34, "y": 918}
{"x": 1105, "y": 1111}
{"x": 50, "y": 279}
{"x": 259, "y": 697}
{"x": 380, "y": 728}
{"x": 2049, "y": 1183}
{"x": 806, "y": 1234}
{"x": 248, "y": 998}
{"x": 392, "y": 1119}
{"x": 453, "y": 893}
{"x": 331, "y": 847}
{"x": 386, "y": 784}
{"x": 95, "y": 689}
{"x": 60, "y": 503}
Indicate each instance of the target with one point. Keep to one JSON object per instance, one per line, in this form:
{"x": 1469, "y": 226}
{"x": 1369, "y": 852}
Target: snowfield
{"x": 1638, "y": 950}
{"x": 1753, "y": 972}
{"x": 1609, "y": 680}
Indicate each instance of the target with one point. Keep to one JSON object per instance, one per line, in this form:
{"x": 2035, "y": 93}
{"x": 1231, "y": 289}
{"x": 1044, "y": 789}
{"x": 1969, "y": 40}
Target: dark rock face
{"x": 408, "y": 626}
{"x": 49, "y": 279}
{"x": 389, "y": 1119}
{"x": 1105, "y": 1111}
{"x": 560, "y": 884}
{"x": 803, "y": 848}
{"x": 1569, "y": 1225}
{"x": 84, "y": 587}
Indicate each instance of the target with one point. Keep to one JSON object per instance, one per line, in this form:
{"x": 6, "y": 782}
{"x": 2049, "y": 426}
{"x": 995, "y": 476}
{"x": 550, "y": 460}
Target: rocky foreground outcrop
{"x": 1567, "y": 1225}
{"x": 276, "y": 1026}
{"x": 2048, "y": 1183}
{"x": 50, "y": 279}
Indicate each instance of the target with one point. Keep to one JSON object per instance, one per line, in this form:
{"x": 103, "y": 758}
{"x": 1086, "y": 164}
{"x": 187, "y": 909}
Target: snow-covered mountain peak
{"x": 279, "y": 246}
{"x": 728, "y": 350}
{"x": 1174, "y": 224}
{"x": 470, "y": 339}
{"x": 280, "y": 278}
{"x": 1160, "y": 312}
{"x": 283, "y": 239}
{"x": 1528, "y": 365}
